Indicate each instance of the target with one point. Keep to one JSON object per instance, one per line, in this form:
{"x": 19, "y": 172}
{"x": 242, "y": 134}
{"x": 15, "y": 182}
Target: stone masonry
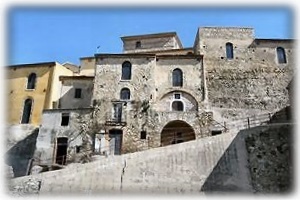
{"x": 173, "y": 94}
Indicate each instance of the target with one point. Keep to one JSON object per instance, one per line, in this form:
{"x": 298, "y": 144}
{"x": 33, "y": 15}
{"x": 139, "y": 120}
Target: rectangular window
{"x": 143, "y": 135}
{"x": 77, "y": 93}
{"x": 216, "y": 133}
{"x": 78, "y": 148}
{"x": 65, "y": 118}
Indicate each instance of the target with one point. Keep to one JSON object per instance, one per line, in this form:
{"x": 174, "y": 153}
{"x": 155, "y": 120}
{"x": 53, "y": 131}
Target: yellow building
{"x": 32, "y": 88}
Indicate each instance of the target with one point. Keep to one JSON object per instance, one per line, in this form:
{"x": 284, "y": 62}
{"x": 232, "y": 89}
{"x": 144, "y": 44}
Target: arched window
{"x": 229, "y": 50}
{"x": 177, "y": 77}
{"x": 177, "y": 106}
{"x": 26, "y": 111}
{"x": 31, "y": 81}
{"x": 281, "y": 55}
{"x": 125, "y": 94}
{"x": 126, "y": 71}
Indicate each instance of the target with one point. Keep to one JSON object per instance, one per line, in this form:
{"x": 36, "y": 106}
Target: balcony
{"x": 115, "y": 119}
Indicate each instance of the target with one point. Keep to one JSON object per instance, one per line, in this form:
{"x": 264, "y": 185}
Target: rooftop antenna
{"x": 98, "y": 47}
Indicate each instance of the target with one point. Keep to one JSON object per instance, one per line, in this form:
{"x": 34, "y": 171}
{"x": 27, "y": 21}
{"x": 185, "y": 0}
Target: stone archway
{"x": 176, "y": 131}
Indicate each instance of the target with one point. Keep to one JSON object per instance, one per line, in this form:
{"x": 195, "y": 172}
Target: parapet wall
{"x": 254, "y": 160}
{"x": 226, "y": 32}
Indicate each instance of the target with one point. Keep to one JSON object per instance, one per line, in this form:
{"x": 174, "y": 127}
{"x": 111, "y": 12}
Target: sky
{"x": 65, "y": 34}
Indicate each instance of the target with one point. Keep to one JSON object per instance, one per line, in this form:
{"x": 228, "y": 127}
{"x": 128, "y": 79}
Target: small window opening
{"x": 229, "y": 50}
{"x": 138, "y": 44}
{"x": 177, "y": 96}
{"x": 125, "y": 94}
{"x": 31, "y": 81}
{"x": 281, "y": 55}
{"x": 78, "y": 148}
{"x": 143, "y": 135}
{"x": 213, "y": 133}
{"x": 77, "y": 93}
{"x": 65, "y": 118}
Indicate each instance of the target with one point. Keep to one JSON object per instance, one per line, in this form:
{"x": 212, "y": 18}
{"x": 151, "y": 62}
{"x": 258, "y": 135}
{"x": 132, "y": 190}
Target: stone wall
{"x": 270, "y": 155}
{"x": 151, "y": 96}
{"x": 150, "y": 44}
{"x": 108, "y": 78}
{"x": 261, "y": 157}
{"x": 192, "y": 71}
{"x": 253, "y": 79}
{"x": 165, "y": 103}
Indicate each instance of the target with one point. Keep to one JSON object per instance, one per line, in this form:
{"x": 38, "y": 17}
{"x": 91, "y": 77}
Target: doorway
{"x": 117, "y": 112}
{"x": 61, "y": 150}
{"x": 115, "y": 144}
{"x": 175, "y": 132}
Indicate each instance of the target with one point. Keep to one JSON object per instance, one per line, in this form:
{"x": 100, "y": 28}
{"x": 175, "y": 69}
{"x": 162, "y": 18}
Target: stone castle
{"x": 158, "y": 93}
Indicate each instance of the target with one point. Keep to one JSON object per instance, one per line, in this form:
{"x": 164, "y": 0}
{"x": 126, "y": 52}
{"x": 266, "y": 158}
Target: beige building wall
{"x": 47, "y": 88}
{"x": 87, "y": 66}
{"x": 56, "y": 86}
{"x": 69, "y": 85}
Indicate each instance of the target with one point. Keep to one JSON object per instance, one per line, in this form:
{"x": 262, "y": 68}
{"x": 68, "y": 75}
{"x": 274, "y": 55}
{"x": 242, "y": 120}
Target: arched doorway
{"x": 175, "y": 132}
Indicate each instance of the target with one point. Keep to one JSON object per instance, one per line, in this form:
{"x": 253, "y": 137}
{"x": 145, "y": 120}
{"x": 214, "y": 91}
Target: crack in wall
{"x": 122, "y": 174}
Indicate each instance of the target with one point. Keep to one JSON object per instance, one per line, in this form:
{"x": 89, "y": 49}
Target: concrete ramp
{"x": 180, "y": 168}
{"x": 229, "y": 162}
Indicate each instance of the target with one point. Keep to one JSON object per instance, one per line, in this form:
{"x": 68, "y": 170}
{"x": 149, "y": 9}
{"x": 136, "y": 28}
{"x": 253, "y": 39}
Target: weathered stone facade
{"x": 157, "y": 93}
{"x": 150, "y": 86}
{"x": 270, "y": 155}
{"x": 55, "y": 127}
{"x": 151, "y": 42}
{"x": 249, "y": 83}
{"x": 253, "y": 79}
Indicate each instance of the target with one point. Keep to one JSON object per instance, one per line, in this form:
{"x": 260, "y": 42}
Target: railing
{"x": 250, "y": 122}
{"x": 111, "y": 120}
{"x": 219, "y": 126}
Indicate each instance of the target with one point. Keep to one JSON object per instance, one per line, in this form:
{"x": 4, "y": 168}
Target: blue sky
{"x": 45, "y": 34}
